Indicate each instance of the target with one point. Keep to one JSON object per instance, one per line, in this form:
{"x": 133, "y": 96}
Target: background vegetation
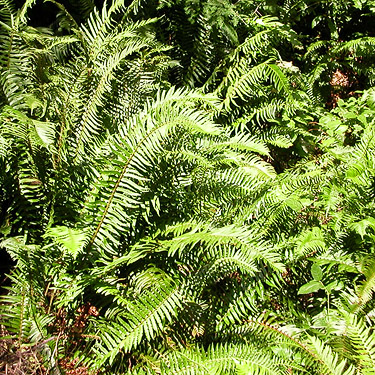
{"x": 187, "y": 187}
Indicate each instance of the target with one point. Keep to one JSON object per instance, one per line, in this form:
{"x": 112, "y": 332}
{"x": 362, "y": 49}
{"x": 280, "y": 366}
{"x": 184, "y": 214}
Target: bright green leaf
{"x": 310, "y": 287}
{"x": 316, "y": 272}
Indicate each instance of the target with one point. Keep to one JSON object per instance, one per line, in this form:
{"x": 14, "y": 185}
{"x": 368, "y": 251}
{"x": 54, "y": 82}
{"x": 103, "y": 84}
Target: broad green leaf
{"x": 294, "y": 204}
{"x": 310, "y": 287}
{"x": 330, "y": 121}
{"x": 349, "y": 115}
{"x": 354, "y": 171}
{"x": 316, "y": 272}
{"x": 334, "y": 285}
{"x": 363, "y": 119}
{"x": 327, "y": 142}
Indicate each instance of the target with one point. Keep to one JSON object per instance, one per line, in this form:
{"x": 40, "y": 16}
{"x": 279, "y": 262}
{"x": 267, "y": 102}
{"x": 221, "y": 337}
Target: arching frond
{"x": 329, "y": 361}
{"x": 367, "y": 287}
{"x": 362, "y": 338}
{"x": 143, "y": 319}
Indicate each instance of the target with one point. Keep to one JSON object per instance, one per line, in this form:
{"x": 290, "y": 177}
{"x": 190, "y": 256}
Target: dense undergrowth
{"x": 187, "y": 187}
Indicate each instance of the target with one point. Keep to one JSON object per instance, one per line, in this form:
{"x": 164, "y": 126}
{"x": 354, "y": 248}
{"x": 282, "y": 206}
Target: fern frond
{"x": 145, "y": 318}
{"x": 248, "y": 82}
{"x": 22, "y": 17}
{"x": 329, "y": 361}
{"x": 240, "y": 243}
{"x": 89, "y": 127}
{"x": 357, "y": 47}
{"x": 367, "y": 287}
{"x": 363, "y": 341}
{"x": 221, "y": 359}
{"x": 243, "y": 142}
{"x": 99, "y": 25}
{"x": 310, "y": 242}
{"x": 238, "y": 310}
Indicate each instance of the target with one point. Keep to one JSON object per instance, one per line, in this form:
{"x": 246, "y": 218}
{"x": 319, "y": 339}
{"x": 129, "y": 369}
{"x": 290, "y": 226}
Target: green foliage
{"x": 188, "y": 187}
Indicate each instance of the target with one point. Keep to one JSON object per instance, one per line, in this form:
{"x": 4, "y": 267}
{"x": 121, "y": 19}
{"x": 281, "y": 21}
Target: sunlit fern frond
{"x": 143, "y": 319}
{"x": 329, "y": 362}
{"x": 135, "y": 154}
{"x": 366, "y": 288}
{"x": 363, "y": 341}
{"x": 222, "y": 358}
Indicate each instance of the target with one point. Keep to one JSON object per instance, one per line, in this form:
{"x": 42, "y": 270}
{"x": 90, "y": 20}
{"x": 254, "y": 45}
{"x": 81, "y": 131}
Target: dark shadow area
{"x": 44, "y": 14}
{"x": 6, "y": 264}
